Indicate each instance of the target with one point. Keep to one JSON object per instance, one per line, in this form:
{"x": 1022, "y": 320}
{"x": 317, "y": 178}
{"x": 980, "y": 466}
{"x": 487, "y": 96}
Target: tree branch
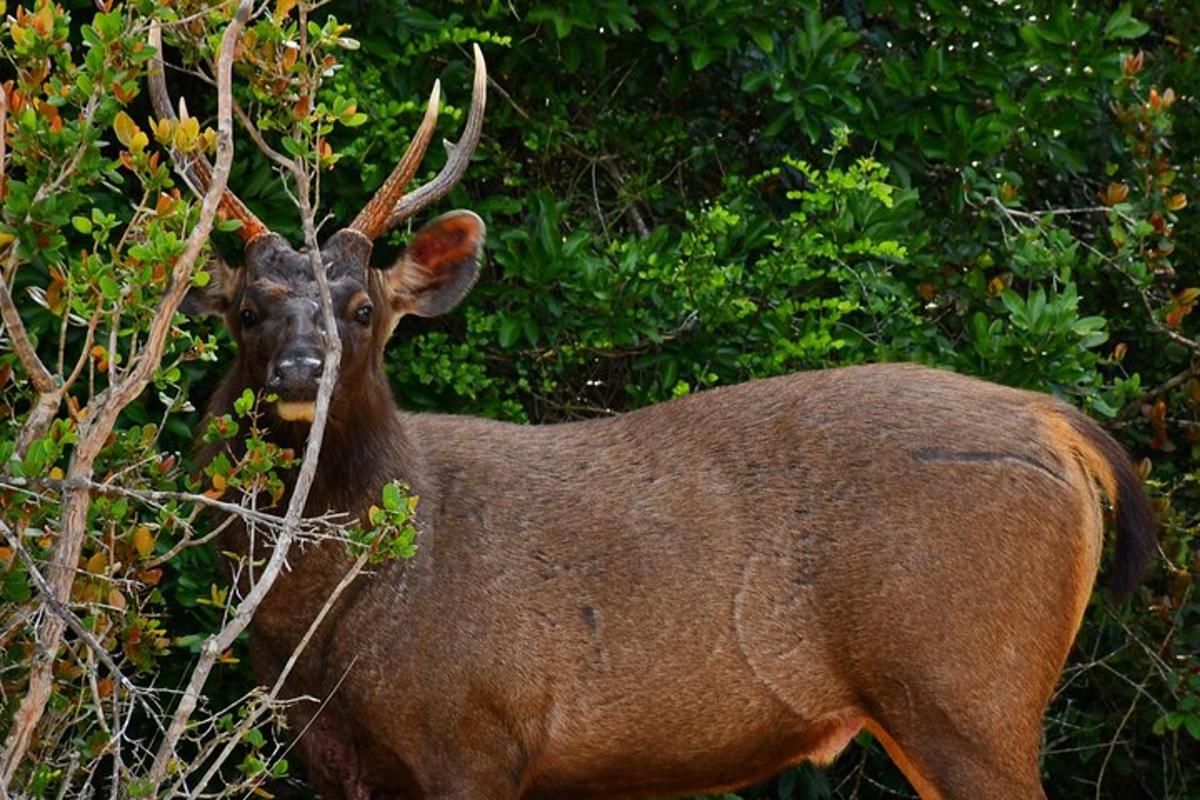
{"x": 249, "y": 720}
{"x": 1133, "y": 406}
{"x": 249, "y": 604}
{"x": 159, "y": 495}
{"x": 104, "y": 410}
{"x": 49, "y": 390}
{"x": 61, "y": 610}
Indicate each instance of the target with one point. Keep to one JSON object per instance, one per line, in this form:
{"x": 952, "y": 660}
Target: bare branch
{"x": 22, "y": 345}
{"x": 1133, "y": 406}
{"x": 252, "y": 131}
{"x": 332, "y": 520}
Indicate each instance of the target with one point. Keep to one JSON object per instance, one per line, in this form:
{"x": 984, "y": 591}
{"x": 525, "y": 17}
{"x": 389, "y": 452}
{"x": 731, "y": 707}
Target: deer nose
{"x": 296, "y": 373}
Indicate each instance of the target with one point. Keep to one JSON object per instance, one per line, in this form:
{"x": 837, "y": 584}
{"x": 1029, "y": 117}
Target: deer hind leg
{"x": 959, "y": 731}
{"x": 943, "y": 765}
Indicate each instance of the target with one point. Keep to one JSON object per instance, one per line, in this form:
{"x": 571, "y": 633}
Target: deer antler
{"x": 199, "y": 169}
{"x": 372, "y": 220}
{"x": 390, "y": 206}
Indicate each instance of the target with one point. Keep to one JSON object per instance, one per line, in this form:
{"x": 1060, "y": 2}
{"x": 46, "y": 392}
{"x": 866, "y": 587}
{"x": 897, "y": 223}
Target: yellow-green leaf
{"x": 97, "y": 563}
{"x": 125, "y": 127}
{"x": 187, "y": 132}
{"x": 143, "y": 541}
{"x": 164, "y": 130}
{"x": 283, "y": 8}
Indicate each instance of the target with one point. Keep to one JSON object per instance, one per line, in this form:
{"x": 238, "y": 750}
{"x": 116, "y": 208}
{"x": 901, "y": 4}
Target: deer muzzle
{"x": 294, "y": 377}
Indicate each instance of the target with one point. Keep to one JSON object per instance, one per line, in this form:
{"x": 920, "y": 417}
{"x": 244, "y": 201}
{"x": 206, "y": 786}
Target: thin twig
{"x": 1133, "y": 406}
{"x": 49, "y": 392}
{"x": 158, "y": 496}
{"x": 59, "y": 608}
{"x": 266, "y": 149}
{"x": 607, "y": 162}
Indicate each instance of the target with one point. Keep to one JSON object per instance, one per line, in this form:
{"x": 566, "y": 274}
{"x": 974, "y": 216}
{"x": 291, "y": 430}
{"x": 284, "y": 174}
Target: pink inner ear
{"x": 445, "y": 242}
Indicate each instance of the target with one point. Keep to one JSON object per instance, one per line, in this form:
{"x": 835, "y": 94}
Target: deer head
{"x": 272, "y": 304}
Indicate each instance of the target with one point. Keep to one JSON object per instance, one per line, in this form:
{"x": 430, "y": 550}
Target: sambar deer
{"x": 682, "y": 599}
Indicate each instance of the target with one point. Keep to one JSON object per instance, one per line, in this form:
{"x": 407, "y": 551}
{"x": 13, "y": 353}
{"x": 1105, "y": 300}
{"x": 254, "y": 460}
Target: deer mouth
{"x": 296, "y": 410}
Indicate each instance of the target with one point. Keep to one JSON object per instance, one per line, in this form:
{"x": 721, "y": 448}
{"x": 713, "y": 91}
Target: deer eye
{"x": 362, "y": 314}
{"x": 248, "y": 317}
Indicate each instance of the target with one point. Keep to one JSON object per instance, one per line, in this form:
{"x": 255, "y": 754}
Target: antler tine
{"x": 372, "y": 220}
{"x": 199, "y": 168}
{"x": 459, "y": 155}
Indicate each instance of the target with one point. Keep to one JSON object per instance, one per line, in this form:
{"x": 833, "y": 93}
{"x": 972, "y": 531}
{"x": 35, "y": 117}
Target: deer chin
{"x": 295, "y": 410}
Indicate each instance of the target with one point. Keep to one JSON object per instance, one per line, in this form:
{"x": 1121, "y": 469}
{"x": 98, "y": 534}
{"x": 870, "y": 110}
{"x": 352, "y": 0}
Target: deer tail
{"x": 1137, "y": 525}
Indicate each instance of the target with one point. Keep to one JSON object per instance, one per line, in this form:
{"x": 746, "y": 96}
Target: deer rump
{"x": 695, "y": 595}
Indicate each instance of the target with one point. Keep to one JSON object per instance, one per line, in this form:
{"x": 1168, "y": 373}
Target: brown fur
{"x": 691, "y": 596}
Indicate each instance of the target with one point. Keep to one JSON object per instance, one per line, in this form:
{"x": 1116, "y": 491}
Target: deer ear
{"x": 439, "y": 266}
{"x": 216, "y": 296}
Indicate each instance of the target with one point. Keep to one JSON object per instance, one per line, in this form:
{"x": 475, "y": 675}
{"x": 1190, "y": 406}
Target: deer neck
{"x": 363, "y": 447}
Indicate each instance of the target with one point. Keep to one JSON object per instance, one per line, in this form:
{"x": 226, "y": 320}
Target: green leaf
{"x": 1102, "y": 407}
{"x": 16, "y": 587}
{"x": 393, "y": 498}
{"x": 1122, "y": 25}
{"x": 763, "y": 39}
{"x": 1015, "y": 305}
{"x": 981, "y": 335}
{"x": 1192, "y": 723}
{"x": 294, "y": 147}
{"x": 109, "y": 287}
{"x": 244, "y": 403}
{"x": 1031, "y": 36}
{"x": 82, "y": 224}
{"x": 510, "y": 330}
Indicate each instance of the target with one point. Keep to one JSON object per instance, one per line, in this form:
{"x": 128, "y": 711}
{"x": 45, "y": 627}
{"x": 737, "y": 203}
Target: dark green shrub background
{"x": 685, "y": 194}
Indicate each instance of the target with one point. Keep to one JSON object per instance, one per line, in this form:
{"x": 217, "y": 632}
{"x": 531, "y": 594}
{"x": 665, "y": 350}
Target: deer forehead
{"x": 271, "y": 260}
{"x": 302, "y": 294}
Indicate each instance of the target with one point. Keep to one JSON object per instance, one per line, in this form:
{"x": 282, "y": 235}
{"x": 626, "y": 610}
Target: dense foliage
{"x": 679, "y": 195}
